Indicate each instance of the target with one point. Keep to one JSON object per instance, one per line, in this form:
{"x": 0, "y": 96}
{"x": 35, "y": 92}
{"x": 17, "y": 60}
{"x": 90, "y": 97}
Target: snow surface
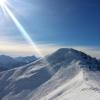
{"x": 35, "y": 82}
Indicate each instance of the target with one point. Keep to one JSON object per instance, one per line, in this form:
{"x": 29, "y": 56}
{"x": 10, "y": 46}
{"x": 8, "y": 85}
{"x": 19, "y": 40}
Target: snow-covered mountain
{"x": 27, "y": 59}
{"x": 7, "y": 62}
{"x": 66, "y": 74}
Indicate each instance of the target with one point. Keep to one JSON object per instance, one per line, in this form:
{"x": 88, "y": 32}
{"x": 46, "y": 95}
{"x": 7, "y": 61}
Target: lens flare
{"x": 3, "y": 5}
{"x": 2, "y": 2}
{"x": 22, "y": 30}
{"x": 26, "y": 36}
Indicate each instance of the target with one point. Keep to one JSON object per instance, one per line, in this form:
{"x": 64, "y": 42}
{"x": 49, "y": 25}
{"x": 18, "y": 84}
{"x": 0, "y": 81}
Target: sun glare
{"x": 25, "y": 34}
{"x": 2, "y": 2}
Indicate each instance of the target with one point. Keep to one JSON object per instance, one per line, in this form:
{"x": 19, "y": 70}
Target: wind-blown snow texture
{"x": 70, "y": 75}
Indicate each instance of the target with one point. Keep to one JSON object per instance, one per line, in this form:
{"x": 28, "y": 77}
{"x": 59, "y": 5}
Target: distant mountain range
{"x": 67, "y": 74}
{"x": 7, "y": 62}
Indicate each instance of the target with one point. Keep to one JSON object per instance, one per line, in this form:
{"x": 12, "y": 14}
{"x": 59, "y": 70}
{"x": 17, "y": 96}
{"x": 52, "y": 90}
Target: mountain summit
{"x": 68, "y": 55}
{"x": 65, "y": 74}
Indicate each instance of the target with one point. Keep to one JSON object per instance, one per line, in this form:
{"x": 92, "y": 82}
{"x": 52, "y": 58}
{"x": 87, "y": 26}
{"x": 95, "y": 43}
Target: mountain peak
{"x": 65, "y": 50}
{"x": 68, "y": 55}
{"x": 42, "y": 81}
{"x": 63, "y": 54}
{"x": 7, "y": 62}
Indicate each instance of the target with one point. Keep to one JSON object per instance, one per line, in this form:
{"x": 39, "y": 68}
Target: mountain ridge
{"x": 69, "y": 54}
{"x": 36, "y": 82}
{"x": 7, "y": 62}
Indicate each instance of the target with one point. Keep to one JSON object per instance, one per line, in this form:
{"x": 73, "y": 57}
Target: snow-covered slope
{"x": 76, "y": 89}
{"x": 67, "y": 74}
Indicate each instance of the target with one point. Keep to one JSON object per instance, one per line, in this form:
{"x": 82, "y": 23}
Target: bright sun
{"x": 2, "y": 2}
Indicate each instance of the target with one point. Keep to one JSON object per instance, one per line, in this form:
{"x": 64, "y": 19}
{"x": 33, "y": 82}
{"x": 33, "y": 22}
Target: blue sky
{"x": 58, "y": 22}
